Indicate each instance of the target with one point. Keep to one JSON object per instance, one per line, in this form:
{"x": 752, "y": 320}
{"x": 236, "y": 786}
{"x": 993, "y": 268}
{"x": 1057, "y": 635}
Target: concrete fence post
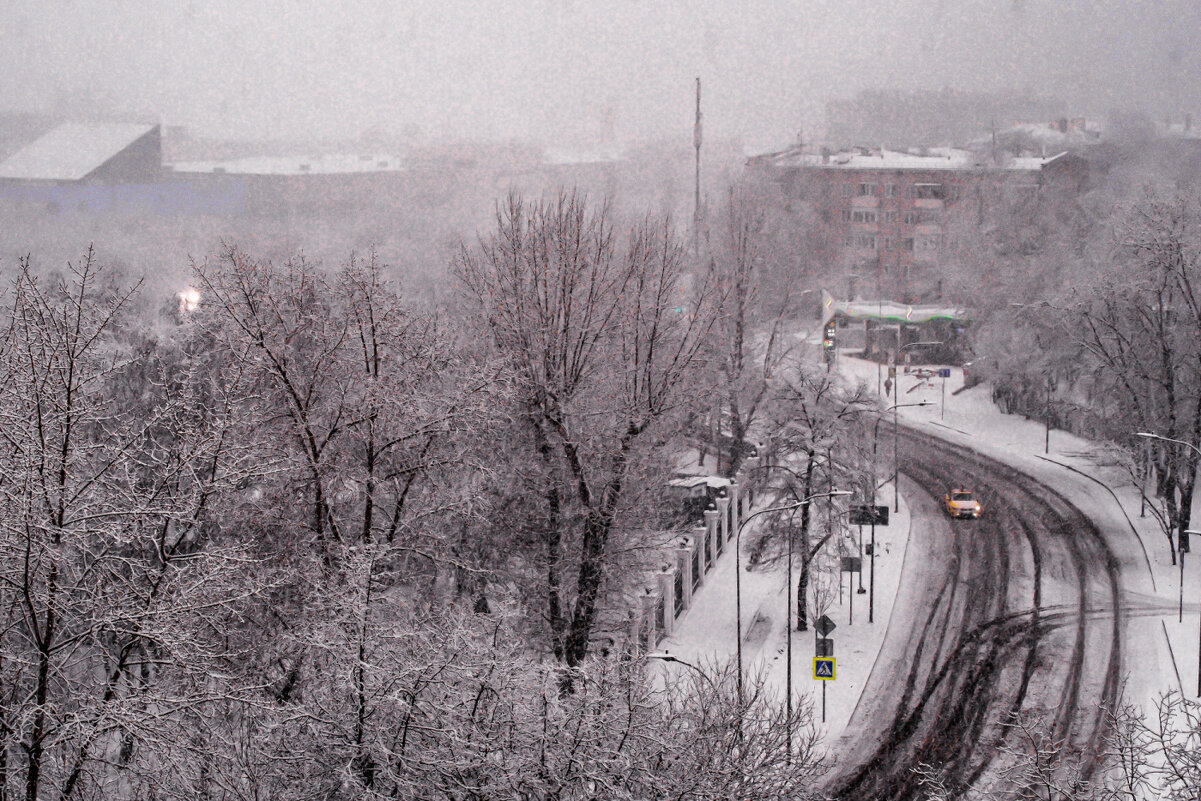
{"x": 723, "y": 511}
{"x": 684, "y": 566}
{"x": 649, "y": 624}
{"x": 667, "y": 591}
{"x": 635, "y": 630}
{"x": 710, "y": 536}
{"x": 735, "y": 504}
{"x": 697, "y": 543}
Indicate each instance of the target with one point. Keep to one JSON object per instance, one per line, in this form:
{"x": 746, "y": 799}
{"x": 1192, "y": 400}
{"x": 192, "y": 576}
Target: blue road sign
{"x": 823, "y": 668}
{"x": 945, "y": 372}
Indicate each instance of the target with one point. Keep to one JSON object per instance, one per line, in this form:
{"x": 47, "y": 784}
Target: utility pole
{"x": 696, "y": 143}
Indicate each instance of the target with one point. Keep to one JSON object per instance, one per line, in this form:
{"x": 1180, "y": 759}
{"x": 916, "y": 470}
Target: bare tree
{"x": 749, "y": 341}
{"x": 600, "y": 338}
{"x": 816, "y": 434}
{"x": 1142, "y": 327}
{"x": 364, "y": 403}
{"x": 112, "y": 585}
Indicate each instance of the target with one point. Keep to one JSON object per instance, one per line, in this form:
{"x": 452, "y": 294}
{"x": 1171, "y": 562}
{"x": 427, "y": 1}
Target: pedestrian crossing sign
{"x": 823, "y": 668}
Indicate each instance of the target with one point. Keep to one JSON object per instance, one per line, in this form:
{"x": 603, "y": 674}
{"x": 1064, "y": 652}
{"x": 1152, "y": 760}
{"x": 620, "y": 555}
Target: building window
{"x": 890, "y": 190}
{"x": 846, "y": 190}
{"x": 865, "y": 190}
{"x": 865, "y": 242}
{"x": 846, "y": 215}
{"x": 888, "y": 216}
{"x": 923, "y": 217}
{"x": 928, "y": 191}
{"x": 907, "y": 244}
{"x": 848, "y": 241}
{"x": 928, "y": 243}
{"x": 863, "y": 216}
{"x": 889, "y": 243}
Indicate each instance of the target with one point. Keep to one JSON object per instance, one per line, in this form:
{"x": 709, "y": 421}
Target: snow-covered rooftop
{"x": 71, "y": 151}
{"x": 329, "y": 164}
{"x": 1031, "y": 163}
{"x": 943, "y": 158}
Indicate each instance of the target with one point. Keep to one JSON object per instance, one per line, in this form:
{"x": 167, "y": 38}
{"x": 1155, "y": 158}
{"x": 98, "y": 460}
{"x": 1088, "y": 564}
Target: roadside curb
{"x": 887, "y": 626}
{"x": 1129, "y": 522}
{"x": 949, "y": 428}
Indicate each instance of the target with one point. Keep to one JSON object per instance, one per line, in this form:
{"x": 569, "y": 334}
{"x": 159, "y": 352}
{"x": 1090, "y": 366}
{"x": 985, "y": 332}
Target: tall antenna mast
{"x": 696, "y": 142}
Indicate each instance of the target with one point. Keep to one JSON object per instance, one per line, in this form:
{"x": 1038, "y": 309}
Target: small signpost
{"x": 823, "y": 660}
{"x": 863, "y": 514}
{"x": 850, "y": 564}
{"x": 944, "y": 373}
{"x": 868, "y": 515}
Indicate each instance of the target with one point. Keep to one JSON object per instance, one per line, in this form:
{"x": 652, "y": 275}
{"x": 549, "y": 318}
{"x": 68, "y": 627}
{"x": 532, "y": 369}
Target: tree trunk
{"x": 802, "y": 614}
{"x": 45, "y": 641}
{"x": 588, "y": 583}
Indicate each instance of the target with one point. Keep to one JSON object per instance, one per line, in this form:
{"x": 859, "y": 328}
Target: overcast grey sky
{"x": 548, "y": 70}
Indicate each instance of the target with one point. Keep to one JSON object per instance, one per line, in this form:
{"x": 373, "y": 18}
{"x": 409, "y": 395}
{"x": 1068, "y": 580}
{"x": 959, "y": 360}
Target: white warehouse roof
{"x": 71, "y": 151}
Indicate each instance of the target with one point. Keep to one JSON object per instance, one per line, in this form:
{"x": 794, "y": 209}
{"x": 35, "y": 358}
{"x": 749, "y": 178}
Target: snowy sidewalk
{"x": 707, "y": 631}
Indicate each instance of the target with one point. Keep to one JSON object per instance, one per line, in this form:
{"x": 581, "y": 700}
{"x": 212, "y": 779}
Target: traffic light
{"x": 828, "y": 336}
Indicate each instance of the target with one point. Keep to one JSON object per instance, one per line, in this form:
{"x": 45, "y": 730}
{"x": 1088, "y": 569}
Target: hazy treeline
{"x": 1088, "y": 314}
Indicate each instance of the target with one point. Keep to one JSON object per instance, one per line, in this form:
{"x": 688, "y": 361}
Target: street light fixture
{"x": 666, "y": 657}
{"x": 1183, "y": 538}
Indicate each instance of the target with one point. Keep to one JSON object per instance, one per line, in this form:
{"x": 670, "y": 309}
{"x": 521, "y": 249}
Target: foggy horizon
{"x": 578, "y": 73}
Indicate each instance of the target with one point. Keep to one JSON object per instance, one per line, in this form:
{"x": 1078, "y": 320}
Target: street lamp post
{"x": 1183, "y": 541}
{"x": 871, "y": 598}
{"x": 896, "y": 384}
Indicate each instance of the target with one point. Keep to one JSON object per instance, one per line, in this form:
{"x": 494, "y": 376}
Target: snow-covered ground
{"x": 706, "y": 633}
{"x": 1160, "y": 651}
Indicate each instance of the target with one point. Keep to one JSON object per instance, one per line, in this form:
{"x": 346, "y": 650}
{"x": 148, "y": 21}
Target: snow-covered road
{"x": 1158, "y": 653}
